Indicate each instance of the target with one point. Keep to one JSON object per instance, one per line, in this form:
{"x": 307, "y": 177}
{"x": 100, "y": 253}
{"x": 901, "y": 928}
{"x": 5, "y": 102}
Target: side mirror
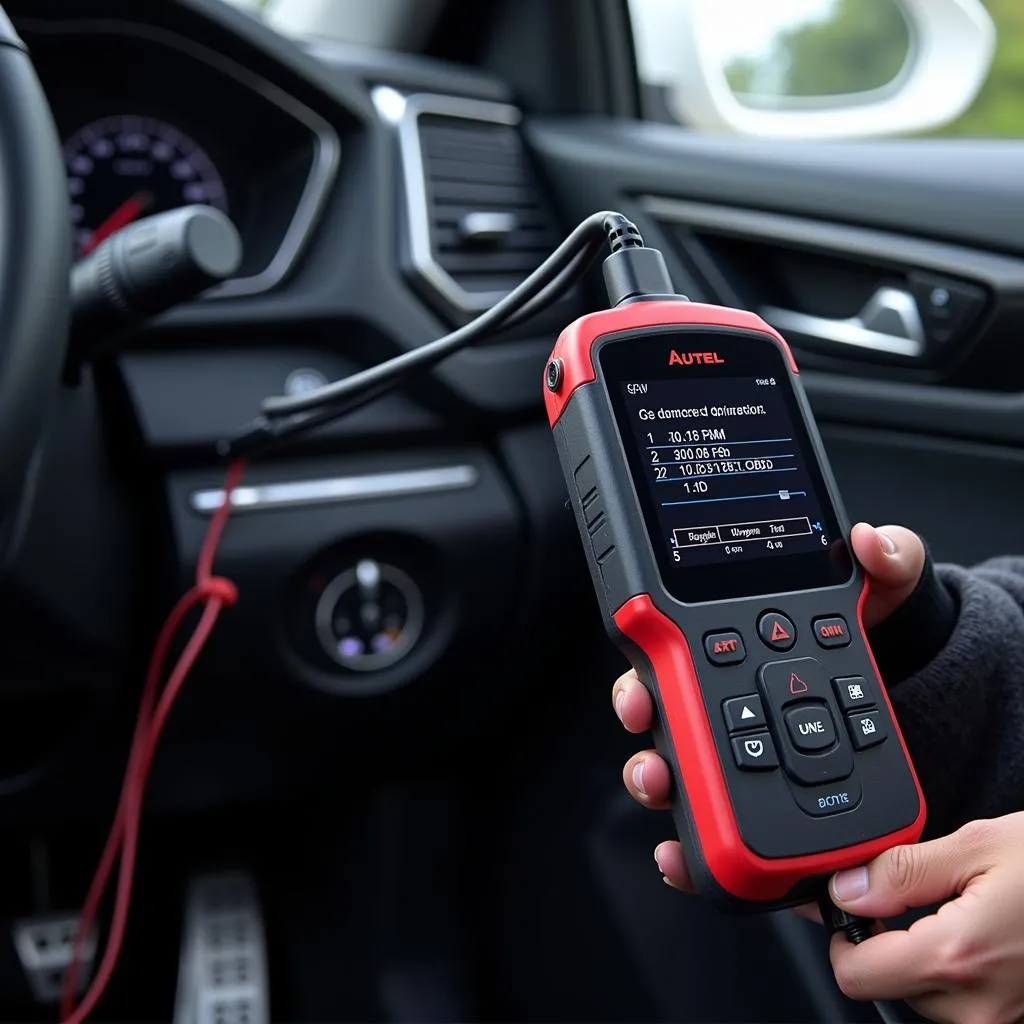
{"x": 814, "y": 69}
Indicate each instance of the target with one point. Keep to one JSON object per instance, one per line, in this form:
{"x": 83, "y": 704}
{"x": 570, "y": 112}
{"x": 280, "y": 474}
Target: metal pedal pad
{"x": 222, "y": 976}
{"x": 44, "y": 945}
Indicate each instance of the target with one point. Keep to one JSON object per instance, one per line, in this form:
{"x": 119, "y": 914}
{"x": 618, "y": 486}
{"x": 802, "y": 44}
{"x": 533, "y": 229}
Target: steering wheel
{"x": 35, "y": 264}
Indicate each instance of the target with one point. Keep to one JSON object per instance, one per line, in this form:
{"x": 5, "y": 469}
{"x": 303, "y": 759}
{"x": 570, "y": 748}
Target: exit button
{"x": 832, "y": 632}
{"x": 810, "y": 728}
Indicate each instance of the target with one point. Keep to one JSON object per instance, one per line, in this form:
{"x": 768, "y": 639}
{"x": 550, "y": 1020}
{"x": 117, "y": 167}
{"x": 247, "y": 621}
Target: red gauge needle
{"x": 122, "y": 216}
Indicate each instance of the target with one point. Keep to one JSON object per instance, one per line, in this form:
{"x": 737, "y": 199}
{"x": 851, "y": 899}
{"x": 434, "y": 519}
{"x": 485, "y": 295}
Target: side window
{"x": 833, "y": 68}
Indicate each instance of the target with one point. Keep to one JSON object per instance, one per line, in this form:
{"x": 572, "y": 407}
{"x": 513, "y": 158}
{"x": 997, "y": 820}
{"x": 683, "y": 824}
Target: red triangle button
{"x": 779, "y": 632}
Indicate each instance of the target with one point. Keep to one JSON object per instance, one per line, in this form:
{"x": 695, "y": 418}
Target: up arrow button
{"x": 742, "y": 713}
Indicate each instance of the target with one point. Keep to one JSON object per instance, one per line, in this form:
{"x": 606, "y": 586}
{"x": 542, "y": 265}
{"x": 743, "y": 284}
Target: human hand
{"x": 893, "y": 558}
{"x": 964, "y": 964}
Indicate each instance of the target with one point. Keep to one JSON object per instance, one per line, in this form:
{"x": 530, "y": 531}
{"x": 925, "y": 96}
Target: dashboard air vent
{"x": 478, "y": 222}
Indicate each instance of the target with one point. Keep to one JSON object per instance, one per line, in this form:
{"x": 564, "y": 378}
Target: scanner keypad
{"x": 798, "y": 716}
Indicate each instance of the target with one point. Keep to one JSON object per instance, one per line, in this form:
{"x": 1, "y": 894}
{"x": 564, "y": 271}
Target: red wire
{"x": 214, "y": 593}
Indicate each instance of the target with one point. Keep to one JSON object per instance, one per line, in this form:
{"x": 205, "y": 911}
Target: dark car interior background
{"x": 436, "y": 826}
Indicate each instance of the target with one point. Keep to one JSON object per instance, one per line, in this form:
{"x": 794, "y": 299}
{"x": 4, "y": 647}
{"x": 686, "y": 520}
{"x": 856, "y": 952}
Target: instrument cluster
{"x": 124, "y": 166}
{"x": 151, "y": 121}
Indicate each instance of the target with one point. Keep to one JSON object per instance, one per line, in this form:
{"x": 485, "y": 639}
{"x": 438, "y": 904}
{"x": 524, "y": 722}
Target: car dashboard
{"x": 391, "y": 565}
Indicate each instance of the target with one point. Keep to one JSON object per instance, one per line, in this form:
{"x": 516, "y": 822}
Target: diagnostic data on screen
{"x": 725, "y": 465}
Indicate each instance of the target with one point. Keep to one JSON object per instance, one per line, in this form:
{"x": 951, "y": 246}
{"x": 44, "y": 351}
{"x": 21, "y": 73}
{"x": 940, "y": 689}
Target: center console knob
{"x": 369, "y": 617}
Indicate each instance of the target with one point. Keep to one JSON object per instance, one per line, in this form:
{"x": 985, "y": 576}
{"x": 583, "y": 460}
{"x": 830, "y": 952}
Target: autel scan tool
{"x": 718, "y": 547}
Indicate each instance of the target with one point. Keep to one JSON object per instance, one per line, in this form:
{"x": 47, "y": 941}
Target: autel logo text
{"x": 693, "y": 358}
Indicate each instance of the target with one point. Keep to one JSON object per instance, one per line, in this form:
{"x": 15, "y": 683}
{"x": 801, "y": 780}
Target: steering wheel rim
{"x": 35, "y": 264}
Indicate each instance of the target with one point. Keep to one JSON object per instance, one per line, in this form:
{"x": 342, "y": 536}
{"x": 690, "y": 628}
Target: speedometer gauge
{"x": 125, "y": 167}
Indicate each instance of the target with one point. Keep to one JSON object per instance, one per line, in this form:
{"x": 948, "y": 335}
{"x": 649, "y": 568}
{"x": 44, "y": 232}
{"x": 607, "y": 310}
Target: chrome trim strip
{"x": 326, "y": 153}
{"x": 404, "y": 112}
{"x": 300, "y": 493}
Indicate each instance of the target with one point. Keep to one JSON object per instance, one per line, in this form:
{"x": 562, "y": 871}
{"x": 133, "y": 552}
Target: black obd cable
{"x": 630, "y": 265}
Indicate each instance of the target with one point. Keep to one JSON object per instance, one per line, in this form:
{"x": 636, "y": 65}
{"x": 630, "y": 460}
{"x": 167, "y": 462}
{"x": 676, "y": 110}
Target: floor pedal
{"x": 222, "y": 977}
{"x": 44, "y": 944}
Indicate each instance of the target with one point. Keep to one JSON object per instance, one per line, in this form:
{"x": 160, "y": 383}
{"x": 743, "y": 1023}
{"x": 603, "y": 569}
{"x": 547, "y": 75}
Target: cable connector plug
{"x": 253, "y": 439}
{"x": 633, "y": 271}
{"x": 856, "y": 929}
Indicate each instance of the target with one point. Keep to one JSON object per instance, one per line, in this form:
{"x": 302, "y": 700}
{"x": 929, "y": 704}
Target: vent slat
{"x": 527, "y": 215}
{"x": 449, "y": 239}
{"x": 444, "y": 192}
{"x": 507, "y": 262}
{"x": 483, "y": 155}
{"x": 477, "y": 173}
{"x": 473, "y": 147}
{"x": 468, "y": 133}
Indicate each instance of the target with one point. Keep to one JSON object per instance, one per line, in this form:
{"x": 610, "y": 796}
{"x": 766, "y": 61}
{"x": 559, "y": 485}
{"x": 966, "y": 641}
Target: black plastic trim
{"x": 919, "y": 408}
{"x": 944, "y": 189}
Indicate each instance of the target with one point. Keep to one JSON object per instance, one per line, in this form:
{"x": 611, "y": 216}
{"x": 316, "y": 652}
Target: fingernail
{"x": 620, "y": 699}
{"x": 888, "y": 544}
{"x": 850, "y": 885}
{"x": 664, "y": 876}
{"x": 638, "y": 778}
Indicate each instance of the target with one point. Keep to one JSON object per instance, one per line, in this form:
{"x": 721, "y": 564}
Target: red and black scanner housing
{"x": 755, "y": 836}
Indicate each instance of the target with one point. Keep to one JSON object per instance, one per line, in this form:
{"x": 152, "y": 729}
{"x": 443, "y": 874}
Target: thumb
{"x": 893, "y": 558}
{"x": 905, "y": 877}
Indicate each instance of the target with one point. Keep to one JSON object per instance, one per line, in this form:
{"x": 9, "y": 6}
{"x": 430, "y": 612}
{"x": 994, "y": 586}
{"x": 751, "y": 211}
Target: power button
{"x": 776, "y": 631}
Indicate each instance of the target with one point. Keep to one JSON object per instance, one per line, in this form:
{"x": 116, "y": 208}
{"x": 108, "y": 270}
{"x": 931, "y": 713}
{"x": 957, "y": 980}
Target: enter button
{"x": 810, "y": 727}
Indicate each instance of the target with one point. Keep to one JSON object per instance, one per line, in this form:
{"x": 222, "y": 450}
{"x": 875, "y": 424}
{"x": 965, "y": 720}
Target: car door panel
{"x": 961, "y": 496}
{"x": 934, "y": 189}
{"x": 934, "y": 442}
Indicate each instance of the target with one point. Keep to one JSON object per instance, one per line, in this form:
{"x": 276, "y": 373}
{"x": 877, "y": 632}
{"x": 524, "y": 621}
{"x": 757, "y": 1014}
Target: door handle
{"x": 889, "y": 322}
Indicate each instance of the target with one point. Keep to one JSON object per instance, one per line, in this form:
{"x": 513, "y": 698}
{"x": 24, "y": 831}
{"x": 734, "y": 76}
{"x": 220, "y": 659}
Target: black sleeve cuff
{"x": 917, "y": 631}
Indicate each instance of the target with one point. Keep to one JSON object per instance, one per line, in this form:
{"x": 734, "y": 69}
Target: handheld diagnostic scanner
{"x": 718, "y": 547}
